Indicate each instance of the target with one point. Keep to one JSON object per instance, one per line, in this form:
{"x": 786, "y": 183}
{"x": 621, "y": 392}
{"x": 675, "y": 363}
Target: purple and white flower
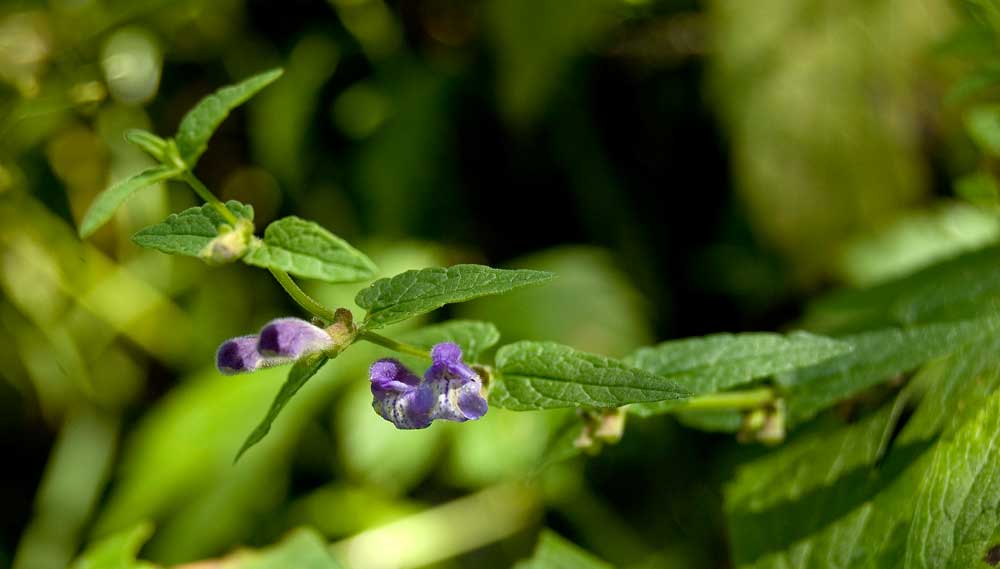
{"x": 450, "y": 390}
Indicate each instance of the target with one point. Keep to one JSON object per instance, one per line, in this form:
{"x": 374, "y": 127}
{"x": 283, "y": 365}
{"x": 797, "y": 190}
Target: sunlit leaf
{"x": 200, "y": 122}
{"x": 415, "y": 292}
{"x": 303, "y": 248}
{"x": 957, "y": 519}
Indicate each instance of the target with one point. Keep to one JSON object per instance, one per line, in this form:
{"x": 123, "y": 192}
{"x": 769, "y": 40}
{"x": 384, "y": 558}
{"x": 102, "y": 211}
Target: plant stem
{"x": 730, "y": 400}
{"x": 205, "y": 194}
{"x": 299, "y": 296}
{"x": 400, "y": 347}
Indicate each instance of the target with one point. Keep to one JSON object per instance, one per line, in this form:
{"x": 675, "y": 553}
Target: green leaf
{"x": 721, "y": 361}
{"x": 412, "y": 293}
{"x": 108, "y": 201}
{"x": 957, "y": 519}
{"x": 190, "y": 231}
{"x": 302, "y": 549}
{"x": 200, "y": 122}
{"x": 546, "y": 375}
{"x": 877, "y": 357}
{"x": 983, "y": 125}
{"x": 300, "y": 373}
{"x": 305, "y": 249}
{"x": 473, "y": 336}
{"x": 117, "y": 551}
{"x": 554, "y": 552}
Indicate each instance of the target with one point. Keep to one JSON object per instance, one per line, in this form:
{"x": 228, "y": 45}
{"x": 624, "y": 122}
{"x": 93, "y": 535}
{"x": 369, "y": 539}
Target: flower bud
{"x": 230, "y": 245}
{"x": 292, "y": 338}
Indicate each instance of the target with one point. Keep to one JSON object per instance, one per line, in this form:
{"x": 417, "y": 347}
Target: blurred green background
{"x": 685, "y": 167}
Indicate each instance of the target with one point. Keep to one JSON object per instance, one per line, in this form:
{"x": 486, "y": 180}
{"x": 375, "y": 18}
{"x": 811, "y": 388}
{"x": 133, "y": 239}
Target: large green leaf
{"x": 554, "y": 552}
{"x": 300, "y": 373}
{"x": 546, "y": 375}
{"x": 412, "y": 293}
{"x": 108, "y": 201}
{"x": 721, "y": 361}
{"x": 200, "y": 122}
{"x": 473, "y": 336}
{"x": 957, "y": 519}
{"x": 190, "y": 231}
{"x": 303, "y": 248}
{"x": 877, "y": 357}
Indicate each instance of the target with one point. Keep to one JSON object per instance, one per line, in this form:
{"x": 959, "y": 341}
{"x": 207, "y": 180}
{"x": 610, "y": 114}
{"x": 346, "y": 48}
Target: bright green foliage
{"x": 554, "y": 552}
{"x": 957, "y": 519}
{"x": 305, "y": 249}
{"x": 416, "y": 292}
{"x": 200, "y": 122}
{"x": 473, "y": 336}
{"x": 983, "y": 124}
{"x": 302, "y": 549}
{"x": 546, "y": 375}
{"x": 877, "y": 357}
{"x": 190, "y": 231}
{"x": 103, "y": 208}
{"x": 117, "y": 551}
{"x": 300, "y": 373}
{"x": 721, "y": 361}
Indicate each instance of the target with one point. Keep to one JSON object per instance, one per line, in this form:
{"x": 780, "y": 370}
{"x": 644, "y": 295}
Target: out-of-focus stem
{"x": 299, "y": 296}
{"x": 444, "y": 531}
{"x": 395, "y": 345}
{"x": 730, "y": 400}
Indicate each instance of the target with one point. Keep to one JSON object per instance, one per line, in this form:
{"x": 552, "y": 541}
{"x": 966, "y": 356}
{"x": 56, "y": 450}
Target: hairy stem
{"x": 205, "y": 194}
{"x": 394, "y": 345}
{"x": 307, "y": 302}
{"x": 730, "y": 400}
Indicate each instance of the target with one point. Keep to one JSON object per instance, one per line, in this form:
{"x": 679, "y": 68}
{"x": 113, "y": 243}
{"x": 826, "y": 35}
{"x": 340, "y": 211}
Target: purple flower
{"x": 400, "y": 397}
{"x": 280, "y": 341}
{"x": 292, "y": 338}
{"x": 450, "y": 390}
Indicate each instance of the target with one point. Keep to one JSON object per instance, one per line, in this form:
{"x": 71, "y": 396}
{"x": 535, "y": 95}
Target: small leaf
{"x": 300, "y": 373}
{"x": 200, "y": 122}
{"x": 721, "y": 361}
{"x": 305, "y": 249}
{"x": 546, "y": 375}
{"x": 554, "y": 552}
{"x": 108, "y": 201}
{"x": 148, "y": 142}
{"x": 473, "y": 336}
{"x": 956, "y": 522}
{"x": 416, "y": 292}
{"x": 117, "y": 551}
{"x": 190, "y": 231}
